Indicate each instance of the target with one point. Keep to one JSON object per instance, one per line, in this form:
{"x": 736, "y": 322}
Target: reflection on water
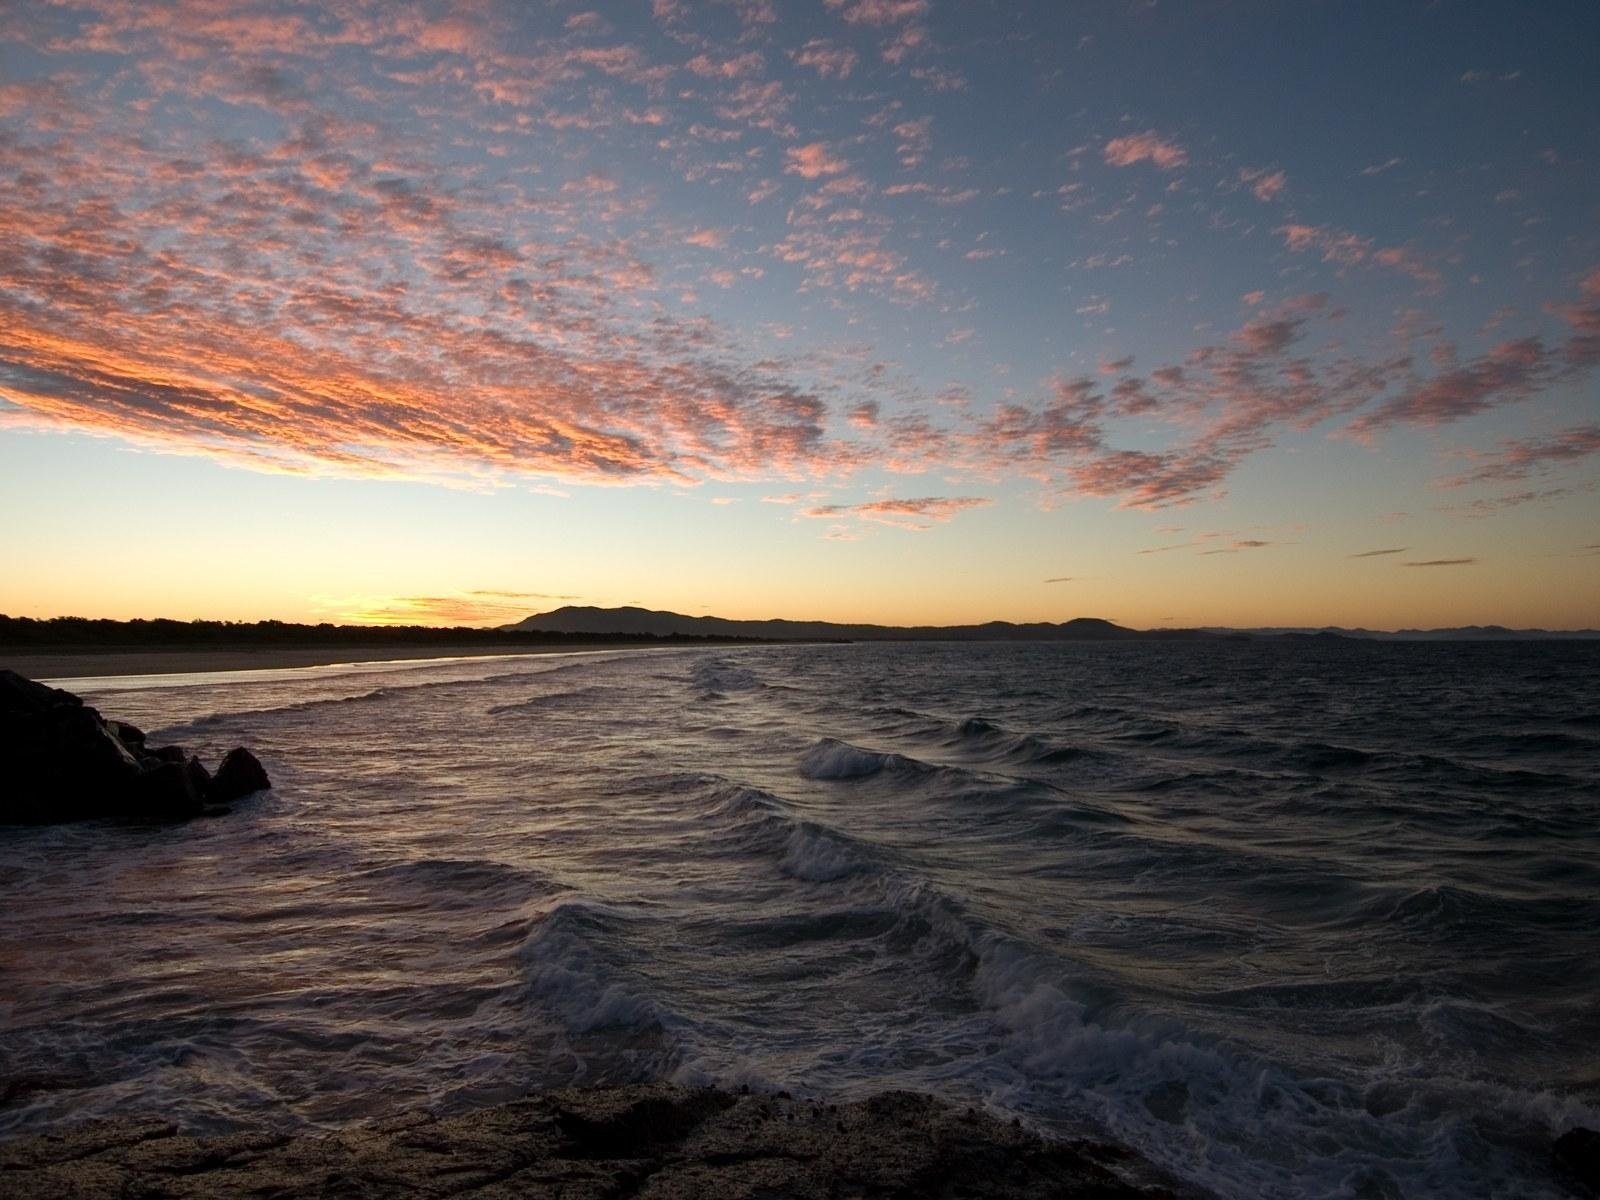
{"x": 1295, "y": 919}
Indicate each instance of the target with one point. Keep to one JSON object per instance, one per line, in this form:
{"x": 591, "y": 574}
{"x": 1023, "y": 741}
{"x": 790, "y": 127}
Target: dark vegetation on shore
{"x": 58, "y": 634}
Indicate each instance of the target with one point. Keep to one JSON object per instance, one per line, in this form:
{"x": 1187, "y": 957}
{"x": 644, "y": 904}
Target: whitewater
{"x": 1292, "y": 918}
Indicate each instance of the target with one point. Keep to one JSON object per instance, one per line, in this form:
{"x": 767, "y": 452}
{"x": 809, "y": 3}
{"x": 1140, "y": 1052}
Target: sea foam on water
{"x": 1142, "y": 889}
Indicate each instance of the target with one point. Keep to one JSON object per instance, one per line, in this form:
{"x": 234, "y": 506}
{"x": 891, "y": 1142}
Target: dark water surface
{"x": 1294, "y": 919}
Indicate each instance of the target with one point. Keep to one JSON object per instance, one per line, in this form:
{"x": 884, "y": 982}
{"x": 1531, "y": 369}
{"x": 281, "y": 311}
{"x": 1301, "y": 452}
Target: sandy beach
{"x": 99, "y": 662}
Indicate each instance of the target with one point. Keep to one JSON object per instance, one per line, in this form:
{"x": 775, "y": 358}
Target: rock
{"x": 60, "y": 760}
{"x": 199, "y": 777}
{"x": 1577, "y": 1152}
{"x": 240, "y": 774}
{"x": 20, "y": 695}
{"x": 165, "y": 793}
{"x": 130, "y": 736}
{"x": 653, "y": 1141}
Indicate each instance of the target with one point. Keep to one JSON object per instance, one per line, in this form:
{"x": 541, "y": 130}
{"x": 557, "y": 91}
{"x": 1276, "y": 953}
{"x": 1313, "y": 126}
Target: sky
{"x": 1204, "y": 313}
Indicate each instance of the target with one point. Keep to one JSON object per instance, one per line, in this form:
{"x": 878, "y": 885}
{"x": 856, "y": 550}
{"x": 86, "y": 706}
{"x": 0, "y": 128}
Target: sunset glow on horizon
{"x": 908, "y": 311}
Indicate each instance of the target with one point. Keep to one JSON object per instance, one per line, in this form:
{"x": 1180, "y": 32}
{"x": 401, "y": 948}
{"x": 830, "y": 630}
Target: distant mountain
{"x": 573, "y": 619}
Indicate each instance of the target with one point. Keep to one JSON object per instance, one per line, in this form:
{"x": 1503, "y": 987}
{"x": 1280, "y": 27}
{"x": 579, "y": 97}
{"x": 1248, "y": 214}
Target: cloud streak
{"x": 917, "y": 514}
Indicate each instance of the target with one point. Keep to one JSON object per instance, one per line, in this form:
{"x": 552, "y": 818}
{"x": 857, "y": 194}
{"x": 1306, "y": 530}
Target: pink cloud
{"x": 735, "y": 67}
{"x": 1582, "y": 351}
{"x": 1264, "y": 185}
{"x": 917, "y": 514}
{"x": 1336, "y": 245}
{"x": 878, "y": 12}
{"x": 827, "y": 60}
{"x": 1344, "y": 248}
{"x": 1148, "y": 147}
{"x": 1519, "y": 458}
{"x": 1512, "y": 370}
{"x": 814, "y": 161}
{"x": 864, "y": 416}
{"x": 1407, "y": 262}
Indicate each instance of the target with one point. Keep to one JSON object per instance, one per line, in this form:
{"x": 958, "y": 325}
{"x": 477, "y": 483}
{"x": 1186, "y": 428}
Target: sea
{"x": 1292, "y": 918}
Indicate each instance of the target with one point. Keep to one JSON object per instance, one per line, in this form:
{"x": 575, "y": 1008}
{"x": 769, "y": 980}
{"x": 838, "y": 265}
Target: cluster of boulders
{"x": 62, "y": 761}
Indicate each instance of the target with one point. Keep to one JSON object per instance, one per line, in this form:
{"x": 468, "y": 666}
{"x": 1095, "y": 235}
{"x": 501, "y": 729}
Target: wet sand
{"x": 71, "y": 663}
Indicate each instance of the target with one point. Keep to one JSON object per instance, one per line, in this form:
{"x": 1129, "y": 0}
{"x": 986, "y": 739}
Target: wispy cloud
{"x": 1150, "y": 147}
{"x": 878, "y": 12}
{"x": 917, "y": 514}
{"x": 1518, "y": 458}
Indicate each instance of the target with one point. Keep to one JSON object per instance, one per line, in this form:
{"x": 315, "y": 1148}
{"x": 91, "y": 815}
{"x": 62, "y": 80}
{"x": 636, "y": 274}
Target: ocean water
{"x": 1292, "y": 919}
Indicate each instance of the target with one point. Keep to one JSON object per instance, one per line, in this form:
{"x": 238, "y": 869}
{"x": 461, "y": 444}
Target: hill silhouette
{"x": 628, "y": 620}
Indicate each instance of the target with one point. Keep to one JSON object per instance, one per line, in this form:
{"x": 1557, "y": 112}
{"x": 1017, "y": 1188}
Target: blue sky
{"x": 866, "y": 309}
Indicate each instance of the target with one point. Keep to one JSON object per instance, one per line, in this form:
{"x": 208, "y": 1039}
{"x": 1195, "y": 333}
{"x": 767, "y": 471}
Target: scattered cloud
{"x": 1444, "y": 562}
{"x": 1379, "y": 553}
{"x": 1513, "y": 370}
{"x": 1264, "y": 185}
{"x": 814, "y": 161}
{"x": 1236, "y": 546}
{"x": 878, "y": 12}
{"x": 255, "y": 247}
{"x": 1151, "y": 147}
{"x": 1518, "y": 458}
{"x": 906, "y": 514}
{"x": 826, "y": 59}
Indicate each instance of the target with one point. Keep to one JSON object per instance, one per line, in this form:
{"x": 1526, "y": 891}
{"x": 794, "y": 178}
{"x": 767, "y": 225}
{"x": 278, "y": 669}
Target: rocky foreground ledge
{"x": 61, "y": 761}
{"x": 650, "y": 1141}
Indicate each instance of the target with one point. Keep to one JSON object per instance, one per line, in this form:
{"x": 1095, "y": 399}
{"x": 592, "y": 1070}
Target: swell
{"x": 386, "y": 692}
{"x": 751, "y": 821}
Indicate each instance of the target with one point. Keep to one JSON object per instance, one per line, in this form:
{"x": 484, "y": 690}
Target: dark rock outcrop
{"x": 650, "y": 1141}
{"x": 1577, "y": 1153}
{"x": 239, "y": 775}
{"x": 60, "y": 760}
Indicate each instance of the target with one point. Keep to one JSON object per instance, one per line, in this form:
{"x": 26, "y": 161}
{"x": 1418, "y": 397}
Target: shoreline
{"x": 66, "y": 664}
{"x": 647, "y": 1140}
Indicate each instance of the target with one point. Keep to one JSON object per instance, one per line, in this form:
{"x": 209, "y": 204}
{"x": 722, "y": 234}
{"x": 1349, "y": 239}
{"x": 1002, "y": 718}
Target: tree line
{"x": 18, "y": 632}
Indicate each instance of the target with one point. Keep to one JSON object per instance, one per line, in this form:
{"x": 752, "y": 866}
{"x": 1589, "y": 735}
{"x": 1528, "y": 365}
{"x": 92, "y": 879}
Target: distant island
{"x": 644, "y": 621}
